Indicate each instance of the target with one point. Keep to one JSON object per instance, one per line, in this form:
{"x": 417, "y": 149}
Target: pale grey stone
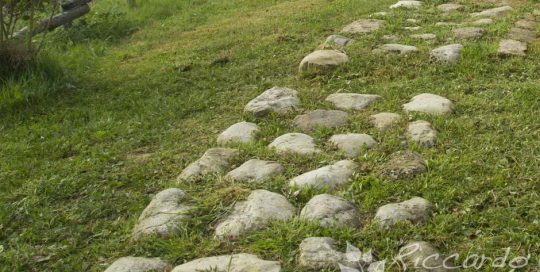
{"x": 445, "y": 24}
{"x": 352, "y": 101}
{"x": 449, "y": 7}
{"x": 328, "y": 210}
{"x": 415, "y": 210}
{"x": 512, "y": 48}
{"x": 321, "y": 118}
{"x": 425, "y": 36}
{"x": 468, "y": 32}
{"x": 139, "y": 264}
{"x": 230, "y": 263}
{"x": 422, "y": 133}
{"x": 403, "y": 165}
{"x": 430, "y": 104}
{"x": 526, "y": 24}
{"x": 423, "y": 257}
{"x": 412, "y": 21}
{"x": 385, "y": 120}
{"x": 494, "y": 12}
{"x": 242, "y": 132}
{"x": 255, "y": 171}
{"x": 317, "y": 253}
{"x": 296, "y": 143}
{"x": 407, "y": 4}
{"x": 447, "y": 54}
{"x": 330, "y": 176}
{"x": 394, "y": 48}
{"x": 275, "y": 100}
{"x": 213, "y": 161}
{"x": 337, "y": 40}
{"x": 485, "y": 21}
{"x": 259, "y": 210}
{"x": 322, "y": 60}
{"x": 352, "y": 144}
{"x": 412, "y": 28}
{"x": 163, "y": 215}
{"x": 363, "y": 26}
{"x": 521, "y": 34}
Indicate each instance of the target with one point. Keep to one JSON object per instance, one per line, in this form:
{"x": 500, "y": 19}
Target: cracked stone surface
{"x": 425, "y": 36}
{"x": 329, "y": 210}
{"x": 259, "y": 210}
{"x": 278, "y": 100}
{"x": 430, "y": 104}
{"x": 449, "y": 7}
{"x": 403, "y": 165}
{"x": 422, "y": 133}
{"x": 352, "y": 101}
{"x": 394, "y": 48}
{"x": 385, "y": 120}
{"x": 468, "y": 32}
{"x": 139, "y": 264}
{"x": 296, "y": 143}
{"x": 163, "y": 215}
{"x": 322, "y": 60}
{"x": 317, "y": 253}
{"x": 213, "y": 161}
{"x": 521, "y": 34}
{"x": 494, "y": 12}
{"x": 330, "y": 176}
{"x": 512, "y": 48}
{"x": 363, "y": 26}
{"x": 242, "y": 132}
{"x": 352, "y": 144}
{"x": 337, "y": 41}
{"x": 415, "y": 210}
{"x": 419, "y": 254}
{"x": 230, "y": 263}
{"x": 485, "y": 21}
{"x": 255, "y": 170}
{"x": 407, "y": 4}
{"x": 321, "y": 118}
{"x": 448, "y": 54}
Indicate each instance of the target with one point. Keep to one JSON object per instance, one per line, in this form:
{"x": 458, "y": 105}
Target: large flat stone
{"x": 352, "y": 101}
{"x": 394, "y": 48}
{"x": 329, "y": 176}
{"x": 447, "y": 54}
{"x": 321, "y": 118}
{"x": 407, "y": 4}
{"x": 430, "y": 104}
{"x": 422, "y": 133}
{"x": 242, "y": 132}
{"x": 295, "y": 143}
{"x": 494, "y": 12}
{"x": 468, "y": 33}
{"x": 322, "y": 61}
{"x": 403, "y": 165}
{"x": 385, "y": 120}
{"x": 352, "y": 144}
{"x": 449, "y": 7}
{"x": 521, "y": 34}
{"x": 277, "y": 100}
{"x": 512, "y": 48}
{"x": 255, "y": 170}
{"x": 526, "y": 24}
{"x": 415, "y": 210}
{"x": 425, "y": 36}
{"x": 230, "y": 263}
{"x": 484, "y": 21}
{"x": 328, "y": 210}
{"x": 139, "y": 264}
{"x": 363, "y": 26}
{"x": 213, "y": 161}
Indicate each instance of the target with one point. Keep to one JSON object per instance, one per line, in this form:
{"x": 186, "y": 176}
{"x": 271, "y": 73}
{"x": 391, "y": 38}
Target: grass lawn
{"x": 116, "y": 109}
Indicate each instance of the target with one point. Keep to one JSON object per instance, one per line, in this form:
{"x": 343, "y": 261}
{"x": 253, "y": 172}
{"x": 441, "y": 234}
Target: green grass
{"x": 168, "y": 76}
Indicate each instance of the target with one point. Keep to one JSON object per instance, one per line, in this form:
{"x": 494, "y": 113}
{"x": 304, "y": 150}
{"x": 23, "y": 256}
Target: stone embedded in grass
{"x": 449, "y": 7}
{"x": 242, "y": 132}
{"x": 412, "y": 21}
{"x": 230, "y": 263}
{"x": 337, "y": 41}
{"x": 485, "y": 21}
{"x": 430, "y": 104}
{"x": 352, "y": 101}
{"x": 415, "y": 210}
{"x": 512, "y": 48}
{"x": 259, "y": 210}
{"x": 422, "y": 133}
{"x": 422, "y": 256}
{"x": 526, "y": 24}
{"x": 468, "y": 32}
{"x": 322, "y": 60}
{"x": 352, "y": 144}
{"x": 213, "y": 161}
{"x": 425, "y": 36}
{"x": 394, "y": 48}
{"x": 139, "y": 264}
{"x": 403, "y": 165}
{"x": 521, "y": 34}
{"x": 295, "y": 143}
{"x": 328, "y": 210}
{"x": 330, "y": 176}
{"x": 318, "y": 253}
{"x": 163, "y": 215}
{"x": 255, "y": 171}
{"x": 363, "y": 26}
{"x": 447, "y": 54}
{"x": 445, "y": 24}
{"x": 385, "y": 120}
{"x": 494, "y": 12}
{"x": 278, "y": 100}
{"x": 407, "y": 4}
{"x": 412, "y": 28}
{"x": 321, "y": 118}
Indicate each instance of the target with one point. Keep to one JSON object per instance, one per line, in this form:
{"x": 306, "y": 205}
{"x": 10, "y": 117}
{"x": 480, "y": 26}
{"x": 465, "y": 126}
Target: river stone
{"x": 394, "y": 48}
{"x": 230, "y": 263}
{"x": 352, "y": 144}
{"x": 330, "y": 176}
{"x": 259, "y": 210}
{"x": 385, "y": 120}
{"x": 403, "y": 165}
{"x": 423, "y": 257}
{"x": 337, "y": 41}
{"x": 485, "y": 21}
{"x": 494, "y": 12}
{"x": 139, "y": 264}
{"x": 430, "y": 104}
{"x": 407, "y": 4}
{"x": 278, "y": 100}
{"x": 213, "y": 161}
{"x": 468, "y": 32}
{"x": 512, "y": 48}
{"x": 449, "y": 7}
{"x": 422, "y": 133}
{"x": 447, "y": 54}
{"x": 243, "y": 132}
{"x": 521, "y": 34}
{"x": 321, "y": 118}
{"x": 425, "y": 36}
{"x": 163, "y": 215}
{"x": 363, "y": 26}
{"x": 329, "y": 210}
{"x": 322, "y": 60}
{"x": 318, "y": 253}
{"x": 255, "y": 171}
{"x": 415, "y": 210}
{"x": 526, "y": 24}
{"x": 297, "y": 143}
{"x": 352, "y": 101}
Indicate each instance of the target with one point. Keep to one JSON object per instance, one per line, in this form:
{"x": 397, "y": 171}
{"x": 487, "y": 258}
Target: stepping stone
{"x": 430, "y": 104}
{"x": 163, "y": 215}
{"x": 450, "y": 7}
{"x": 337, "y": 41}
{"x": 415, "y": 210}
{"x": 407, "y": 4}
{"x": 526, "y": 24}
{"x": 255, "y": 171}
{"x": 213, "y": 161}
{"x": 139, "y": 264}
{"x": 468, "y": 33}
{"x": 322, "y": 61}
{"x": 259, "y": 210}
{"x": 494, "y": 12}
{"x": 412, "y": 28}
{"x": 321, "y": 118}
{"x": 485, "y": 21}
{"x": 385, "y": 120}
{"x": 352, "y": 101}
{"x": 422, "y": 133}
{"x": 352, "y": 144}
{"x": 403, "y": 165}
{"x": 512, "y": 48}
{"x": 412, "y": 21}
{"x": 425, "y": 37}
{"x": 363, "y": 26}
{"x": 448, "y": 54}
{"x": 230, "y": 263}
{"x": 297, "y": 143}
{"x": 243, "y": 132}
{"x": 275, "y": 100}
{"x": 318, "y": 253}
{"x": 422, "y": 255}
{"x": 396, "y": 49}
{"x": 330, "y": 176}
{"x": 445, "y": 24}
{"x": 329, "y": 210}
{"x": 523, "y": 35}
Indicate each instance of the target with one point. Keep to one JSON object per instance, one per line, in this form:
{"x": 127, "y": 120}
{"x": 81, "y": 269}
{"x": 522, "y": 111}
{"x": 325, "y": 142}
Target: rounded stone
{"x": 255, "y": 171}
{"x": 321, "y": 118}
{"x": 363, "y": 26}
{"x": 425, "y": 36}
{"x": 330, "y": 176}
{"x": 449, "y": 7}
{"x": 295, "y": 143}
{"x": 231, "y": 263}
{"x": 328, "y": 210}
{"x": 403, "y": 165}
{"x": 213, "y": 161}
{"x": 352, "y": 101}
{"x": 422, "y": 133}
{"x": 394, "y": 48}
{"x": 509, "y": 48}
{"x": 385, "y": 120}
{"x": 277, "y": 100}
{"x": 448, "y": 54}
{"x": 242, "y": 132}
{"x": 494, "y": 12}
{"x": 337, "y": 41}
{"x": 415, "y": 210}
{"x": 322, "y": 60}
{"x": 422, "y": 256}
{"x": 352, "y": 144}
{"x": 139, "y": 264}
{"x": 430, "y": 104}
{"x": 407, "y": 4}
{"x": 468, "y": 32}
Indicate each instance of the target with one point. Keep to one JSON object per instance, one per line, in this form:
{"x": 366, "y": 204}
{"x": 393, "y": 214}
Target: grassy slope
{"x": 73, "y": 186}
